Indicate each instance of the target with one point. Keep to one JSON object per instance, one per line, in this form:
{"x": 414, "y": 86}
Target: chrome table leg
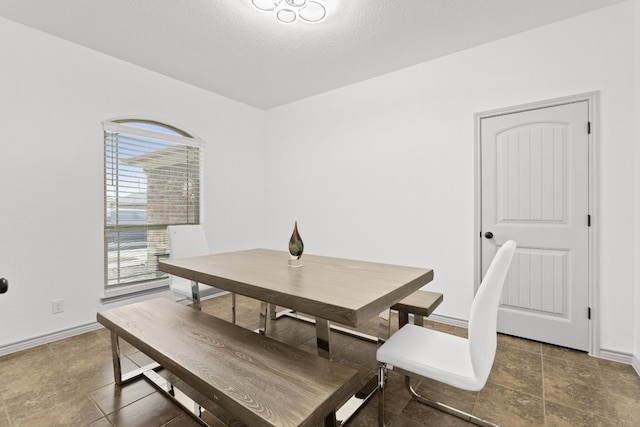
{"x": 384, "y": 327}
{"x": 264, "y": 308}
{"x": 323, "y": 330}
{"x": 233, "y": 308}
{"x": 323, "y": 339}
{"x": 195, "y": 295}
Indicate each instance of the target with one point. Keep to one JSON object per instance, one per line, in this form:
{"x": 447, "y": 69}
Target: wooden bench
{"x": 420, "y": 303}
{"x": 256, "y": 379}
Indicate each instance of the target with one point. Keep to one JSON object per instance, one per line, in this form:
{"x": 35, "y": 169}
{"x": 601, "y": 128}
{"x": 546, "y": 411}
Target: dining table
{"x": 334, "y": 292}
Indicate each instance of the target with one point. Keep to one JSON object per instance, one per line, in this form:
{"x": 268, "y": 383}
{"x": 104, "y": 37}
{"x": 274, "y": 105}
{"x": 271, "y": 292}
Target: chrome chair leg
{"x": 448, "y": 409}
{"x": 382, "y": 380}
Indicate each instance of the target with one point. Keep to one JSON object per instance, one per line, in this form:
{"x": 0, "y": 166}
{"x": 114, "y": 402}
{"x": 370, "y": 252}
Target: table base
{"x": 351, "y": 407}
{"x": 323, "y": 328}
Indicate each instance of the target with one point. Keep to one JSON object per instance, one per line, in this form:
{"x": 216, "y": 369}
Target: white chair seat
{"x": 182, "y": 287}
{"x": 431, "y": 354}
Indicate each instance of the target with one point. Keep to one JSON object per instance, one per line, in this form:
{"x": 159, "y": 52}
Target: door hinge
{"x": 588, "y": 220}
{"x": 589, "y": 313}
{"x": 589, "y": 128}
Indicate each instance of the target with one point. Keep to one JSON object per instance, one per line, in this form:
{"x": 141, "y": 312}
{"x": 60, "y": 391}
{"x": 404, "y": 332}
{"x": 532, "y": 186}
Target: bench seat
{"x": 420, "y": 303}
{"x": 258, "y": 380}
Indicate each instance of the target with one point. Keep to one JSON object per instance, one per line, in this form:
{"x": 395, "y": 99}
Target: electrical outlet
{"x": 57, "y": 306}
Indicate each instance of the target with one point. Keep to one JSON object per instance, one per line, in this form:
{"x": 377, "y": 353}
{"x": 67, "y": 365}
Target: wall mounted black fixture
{"x": 4, "y": 285}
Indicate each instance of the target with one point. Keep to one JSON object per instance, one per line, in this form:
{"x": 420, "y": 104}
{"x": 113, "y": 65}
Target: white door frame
{"x": 592, "y": 99}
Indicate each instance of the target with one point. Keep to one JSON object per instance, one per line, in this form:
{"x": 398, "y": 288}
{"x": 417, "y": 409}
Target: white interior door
{"x": 534, "y": 190}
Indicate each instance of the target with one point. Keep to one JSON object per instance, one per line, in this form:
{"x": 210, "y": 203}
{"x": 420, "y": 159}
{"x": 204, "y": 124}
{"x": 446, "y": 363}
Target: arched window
{"x": 152, "y": 179}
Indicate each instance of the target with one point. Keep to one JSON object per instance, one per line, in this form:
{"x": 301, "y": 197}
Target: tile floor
{"x": 70, "y": 383}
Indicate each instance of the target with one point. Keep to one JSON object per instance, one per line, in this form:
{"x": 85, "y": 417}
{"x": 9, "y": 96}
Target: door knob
{"x": 4, "y": 285}
{"x": 488, "y": 235}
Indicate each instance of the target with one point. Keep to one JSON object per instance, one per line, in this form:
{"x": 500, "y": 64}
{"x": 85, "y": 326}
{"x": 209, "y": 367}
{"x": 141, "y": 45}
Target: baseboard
{"x": 48, "y": 338}
{"x": 615, "y": 356}
{"x": 447, "y": 320}
{"x": 635, "y": 362}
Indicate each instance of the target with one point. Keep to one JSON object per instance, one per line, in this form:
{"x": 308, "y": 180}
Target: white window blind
{"x": 152, "y": 177}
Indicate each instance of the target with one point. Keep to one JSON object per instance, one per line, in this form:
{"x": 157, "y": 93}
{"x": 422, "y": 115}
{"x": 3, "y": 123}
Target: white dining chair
{"x": 422, "y": 353}
{"x": 189, "y": 241}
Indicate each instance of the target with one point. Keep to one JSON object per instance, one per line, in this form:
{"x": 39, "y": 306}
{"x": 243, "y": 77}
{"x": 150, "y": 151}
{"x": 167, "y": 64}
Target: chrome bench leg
{"x": 403, "y": 319}
{"x": 418, "y": 320}
{"x": 119, "y": 378}
{"x": 115, "y": 355}
{"x": 330, "y": 420}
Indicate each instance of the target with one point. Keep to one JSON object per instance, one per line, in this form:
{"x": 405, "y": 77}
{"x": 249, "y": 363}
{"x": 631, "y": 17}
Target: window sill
{"x": 131, "y": 291}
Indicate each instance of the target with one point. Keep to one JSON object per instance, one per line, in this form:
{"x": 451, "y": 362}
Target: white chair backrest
{"x": 484, "y": 313}
{"x": 187, "y": 241}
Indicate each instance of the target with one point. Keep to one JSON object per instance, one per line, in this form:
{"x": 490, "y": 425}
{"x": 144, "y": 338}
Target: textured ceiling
{"x": 227, "y": 47}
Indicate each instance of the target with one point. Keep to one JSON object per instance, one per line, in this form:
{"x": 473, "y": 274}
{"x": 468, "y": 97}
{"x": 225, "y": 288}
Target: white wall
{"x": 53, "y": 97}
{"x": 384, "y": 169}
{"x": 380, "y": 170}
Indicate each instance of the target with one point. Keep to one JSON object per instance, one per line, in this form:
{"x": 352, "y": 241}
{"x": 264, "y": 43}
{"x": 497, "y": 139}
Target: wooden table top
{"x": 339, "y": 290}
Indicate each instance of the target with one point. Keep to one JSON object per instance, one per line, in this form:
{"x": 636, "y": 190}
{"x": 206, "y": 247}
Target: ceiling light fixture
{"x": 289, "y": 11}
